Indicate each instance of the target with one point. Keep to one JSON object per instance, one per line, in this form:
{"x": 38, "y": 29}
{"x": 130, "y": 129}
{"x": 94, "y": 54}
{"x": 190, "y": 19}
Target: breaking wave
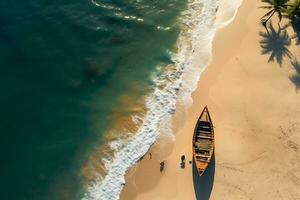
{"x": 176, "y": 83}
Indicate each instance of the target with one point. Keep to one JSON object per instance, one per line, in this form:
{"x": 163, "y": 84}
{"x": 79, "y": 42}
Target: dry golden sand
{"x": 256, "y": 112}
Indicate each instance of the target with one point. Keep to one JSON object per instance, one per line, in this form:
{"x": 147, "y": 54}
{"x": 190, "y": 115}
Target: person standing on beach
{"x": 182, "y": 164}
{"x": 162, "y": 166}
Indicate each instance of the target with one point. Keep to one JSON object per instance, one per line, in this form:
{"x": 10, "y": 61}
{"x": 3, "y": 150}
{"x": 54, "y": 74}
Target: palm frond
{"x": 278, "y": 6}
{"x": 267, "y": 14}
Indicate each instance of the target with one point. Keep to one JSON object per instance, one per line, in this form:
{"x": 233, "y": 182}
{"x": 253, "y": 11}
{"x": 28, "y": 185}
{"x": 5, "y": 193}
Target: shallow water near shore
{"x": 68, "y": 69}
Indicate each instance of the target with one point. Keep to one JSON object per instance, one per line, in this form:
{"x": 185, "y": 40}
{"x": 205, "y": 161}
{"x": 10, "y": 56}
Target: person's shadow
{"x": 203, "y": 184}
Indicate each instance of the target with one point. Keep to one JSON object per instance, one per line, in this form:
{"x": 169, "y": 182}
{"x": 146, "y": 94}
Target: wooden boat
{"x": 203, "y": 141}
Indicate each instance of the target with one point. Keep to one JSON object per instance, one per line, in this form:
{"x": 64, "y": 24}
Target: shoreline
{"x": 164, "y": 146}
{"x": 242, "y": 92}
{"x": 178, "y": 82}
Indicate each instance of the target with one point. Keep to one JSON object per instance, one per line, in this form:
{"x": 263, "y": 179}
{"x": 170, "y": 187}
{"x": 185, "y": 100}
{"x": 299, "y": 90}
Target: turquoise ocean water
{"x": 65, "y": 67}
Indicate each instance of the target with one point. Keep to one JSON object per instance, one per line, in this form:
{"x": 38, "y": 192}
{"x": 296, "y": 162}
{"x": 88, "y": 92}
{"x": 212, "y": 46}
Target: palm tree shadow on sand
{"x": 296, "y": 28}
{"x": 275, "y": 43}
{"x": 295, "y": 78}
{"x": 203, "y": 184}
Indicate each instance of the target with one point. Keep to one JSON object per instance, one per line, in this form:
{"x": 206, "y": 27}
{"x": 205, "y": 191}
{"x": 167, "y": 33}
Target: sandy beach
{"x": 255, "y": 107}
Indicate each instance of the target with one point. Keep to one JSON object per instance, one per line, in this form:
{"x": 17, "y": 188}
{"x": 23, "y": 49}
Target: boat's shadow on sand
{"x": 203, "y": 184}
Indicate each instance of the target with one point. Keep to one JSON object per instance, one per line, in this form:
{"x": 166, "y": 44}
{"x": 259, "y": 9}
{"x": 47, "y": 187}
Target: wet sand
{"x": 255, "y": 107}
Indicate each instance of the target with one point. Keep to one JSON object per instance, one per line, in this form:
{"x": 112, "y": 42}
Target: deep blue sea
{"x": 65, "y": 68}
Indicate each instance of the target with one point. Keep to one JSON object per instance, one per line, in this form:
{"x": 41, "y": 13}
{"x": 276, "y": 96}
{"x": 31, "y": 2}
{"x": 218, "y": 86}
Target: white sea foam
{"x": 177, "y": 83}
{"x": 163, "y": 28}
{"x": 103, "y": 5}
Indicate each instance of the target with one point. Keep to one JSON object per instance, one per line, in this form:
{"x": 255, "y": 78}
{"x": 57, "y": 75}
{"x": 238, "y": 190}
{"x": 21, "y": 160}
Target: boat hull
{"x": 203, "y": 142}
